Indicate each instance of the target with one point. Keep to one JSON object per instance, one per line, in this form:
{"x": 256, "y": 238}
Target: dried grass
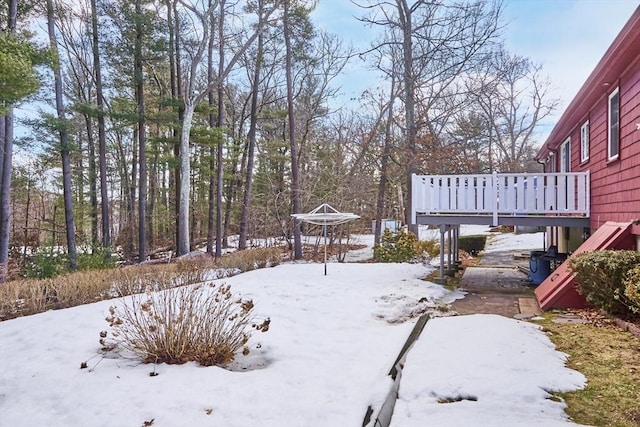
{"x": 31, "y": 296}
{"x": 251, "y": 259}
{"x": 610, "y": 359}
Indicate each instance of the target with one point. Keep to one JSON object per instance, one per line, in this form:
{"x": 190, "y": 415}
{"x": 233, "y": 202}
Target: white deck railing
{"x": 517, "y": 194}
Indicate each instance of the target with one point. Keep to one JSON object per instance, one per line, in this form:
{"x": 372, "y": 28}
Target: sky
{"x": 323, "y": 362}
{"x": 568, "y": 37}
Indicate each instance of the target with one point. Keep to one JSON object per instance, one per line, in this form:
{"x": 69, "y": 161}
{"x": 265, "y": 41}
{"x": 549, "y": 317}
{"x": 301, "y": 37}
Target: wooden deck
{"x": 532, "y": 199}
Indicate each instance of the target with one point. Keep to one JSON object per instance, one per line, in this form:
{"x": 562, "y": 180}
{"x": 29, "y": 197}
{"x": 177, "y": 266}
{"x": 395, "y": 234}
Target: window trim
{"x": 565, "y": 156}
{"x": 615, "y": 93}
{"x": 585, "y": 132}
{"x": 552, "y": 162}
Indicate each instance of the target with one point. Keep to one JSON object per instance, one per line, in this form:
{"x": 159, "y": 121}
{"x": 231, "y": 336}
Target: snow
{"x": 324, "y": 360}
{"x": 513, "y": 242}
{"x": 483, "y": 370}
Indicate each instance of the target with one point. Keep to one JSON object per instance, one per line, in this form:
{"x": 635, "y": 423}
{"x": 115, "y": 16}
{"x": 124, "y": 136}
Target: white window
{"x": 614, "y": 125}
{"x": 584, "y": 142}
{"x": 565, "y": 156}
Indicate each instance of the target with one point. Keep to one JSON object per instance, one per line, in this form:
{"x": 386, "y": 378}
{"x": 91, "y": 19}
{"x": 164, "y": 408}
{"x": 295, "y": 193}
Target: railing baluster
{"x": 582, "y": 181}
{"x": 562, "y": 193}
{"x": 571, "y": 193}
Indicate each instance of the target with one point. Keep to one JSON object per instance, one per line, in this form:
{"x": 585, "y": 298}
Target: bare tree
{"x": 102, "y": 140}
{"x": 251, "y": 136}
{"x": 384, "y": 161}
{"x": 193, "y": 93}
{"x": 142, "y": 132}
{"x": 220, "y": 120}
{"x": 64, "y": 142}
{"x": 439, "y": 42}
{"x": 513, "y": 96}
{"x": 295, "y": 172}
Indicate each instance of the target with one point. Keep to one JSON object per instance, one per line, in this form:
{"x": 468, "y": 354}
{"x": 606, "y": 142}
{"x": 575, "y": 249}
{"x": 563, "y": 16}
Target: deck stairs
{"x": 559, "y": 289}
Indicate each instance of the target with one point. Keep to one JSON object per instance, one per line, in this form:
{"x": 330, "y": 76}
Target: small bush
{"x": 472, "y": 245}
{"x": 402, "y": 246}
{"x": 203, "y": 324}
{"x": 430, "y": 247}
{"x": 47, "y": 263}
{"x": 632, "y": 289}
{"x": 97, "y": 259}
{"x": 600, "y": 276}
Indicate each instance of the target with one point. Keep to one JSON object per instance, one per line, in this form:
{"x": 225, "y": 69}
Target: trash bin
{"x": 539, "y": 267}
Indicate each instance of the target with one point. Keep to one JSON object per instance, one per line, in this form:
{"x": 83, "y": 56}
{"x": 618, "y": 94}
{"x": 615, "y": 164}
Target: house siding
{"x": 615, "y": 185}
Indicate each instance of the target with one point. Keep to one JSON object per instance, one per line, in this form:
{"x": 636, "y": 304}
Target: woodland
{"x": 170, "y": 125}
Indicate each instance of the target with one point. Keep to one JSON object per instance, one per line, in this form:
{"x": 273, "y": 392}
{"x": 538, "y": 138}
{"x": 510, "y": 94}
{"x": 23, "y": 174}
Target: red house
{"x": 599, "y": 133}
{"x": 589, "y": 193}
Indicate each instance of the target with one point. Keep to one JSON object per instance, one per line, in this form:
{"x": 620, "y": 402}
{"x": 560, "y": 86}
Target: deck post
{"x": 450, "y": 267}
{"x": 494, "y": 186}
{"x": 442, "y": 279}
{"x": 456, "y": 255}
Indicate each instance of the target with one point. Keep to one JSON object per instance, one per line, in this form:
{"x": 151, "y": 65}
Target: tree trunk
{"x": 212, "y": 150}
{"x": 64, "y": 144}
{"x": 93, "y": 185}
{"x": 142, "y": 149}
{"x": 102, "y": 141}
{"x": 295, "y": 176}
{"x": 153, "y": 190}
{"x": 220, "y": 154}
{"x": 185, "y": 171}
{"x": 6, "y": 162}
{"x": 409, "y": 103}
{"x": 26, "y": 221}
{"x": 382, "y": 186}
{"x": 176, "y": 93}
{"x": 251, "y": 137}
{"x": 132, "y": 193}
{"x": 5, "y": 191}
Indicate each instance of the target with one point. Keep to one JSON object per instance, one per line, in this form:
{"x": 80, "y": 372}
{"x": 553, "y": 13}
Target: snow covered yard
{"x": 324, "y": 360}
{"x": 483, "y": 370}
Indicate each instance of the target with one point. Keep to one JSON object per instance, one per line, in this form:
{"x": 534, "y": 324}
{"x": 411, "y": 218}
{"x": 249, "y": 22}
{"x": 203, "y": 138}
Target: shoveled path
{"x": 497, "y": 286}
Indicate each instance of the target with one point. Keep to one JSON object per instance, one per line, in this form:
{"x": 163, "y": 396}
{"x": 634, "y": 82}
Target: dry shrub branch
{"x": 205, "y": 324}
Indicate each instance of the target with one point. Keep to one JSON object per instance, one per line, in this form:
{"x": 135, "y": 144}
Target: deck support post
{"x": 442, "y": 279}
{"x": 456, "y": 252}
{"x": 450, "y": 267}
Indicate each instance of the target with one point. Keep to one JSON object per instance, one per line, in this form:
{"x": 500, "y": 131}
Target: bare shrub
{"x": 205, "y": 324}
{"x": 251, "y": 259}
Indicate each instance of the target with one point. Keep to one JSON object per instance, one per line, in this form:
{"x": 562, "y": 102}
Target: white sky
{"x": 568, "y": 37}
{"x": 324, "y": 360}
